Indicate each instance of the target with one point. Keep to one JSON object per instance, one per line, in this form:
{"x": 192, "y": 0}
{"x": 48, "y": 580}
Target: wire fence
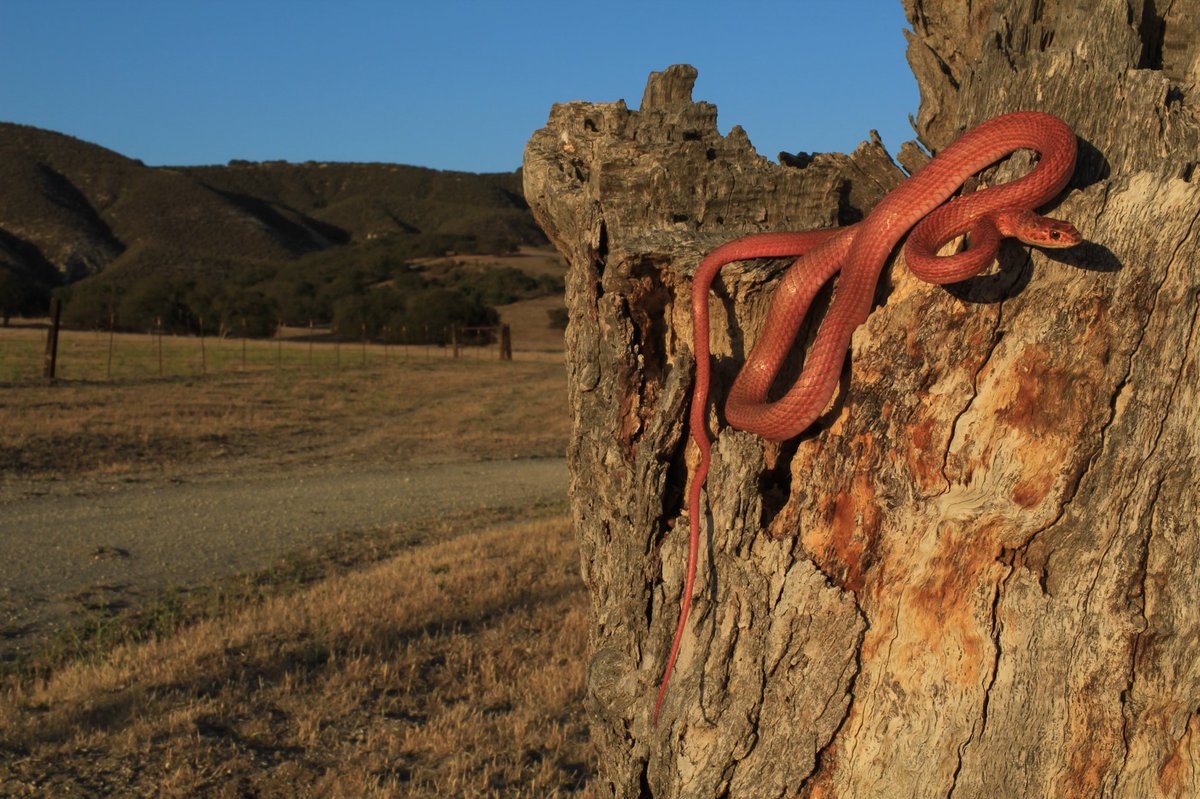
{"x": 38, "y": 350}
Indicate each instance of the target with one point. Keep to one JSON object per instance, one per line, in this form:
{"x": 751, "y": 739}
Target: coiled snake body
{"x": 859, "y": 252}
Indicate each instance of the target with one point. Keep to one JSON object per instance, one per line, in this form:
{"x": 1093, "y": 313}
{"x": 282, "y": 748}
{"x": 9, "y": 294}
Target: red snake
{"x": 859, "y": 252}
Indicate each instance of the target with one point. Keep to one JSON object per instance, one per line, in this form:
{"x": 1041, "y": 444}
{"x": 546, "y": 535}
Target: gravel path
{"x": 90, "y": 536}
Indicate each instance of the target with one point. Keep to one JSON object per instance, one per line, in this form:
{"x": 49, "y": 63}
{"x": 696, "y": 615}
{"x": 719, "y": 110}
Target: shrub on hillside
{"x": 177, "y": 303}
{"x": 89, "y": 305}
{"x": 501, "y": 285}
{"x": 153, "y": 301}
{"x": 413, "y": 315}
{"x": 429, "y": 314}
{"x": 20, "y": 296}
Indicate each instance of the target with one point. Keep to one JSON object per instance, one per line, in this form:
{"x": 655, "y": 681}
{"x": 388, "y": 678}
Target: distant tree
{"x": 16, "y": 295}
{"x": 298, "y": 301}
{"x": 251, "y": 313}
{"x": 153, "y": 299}
{"x": 91, "y": 304}
{"x": 205, "y": 300}
{"x": 438, "y": 308}
{"x": 349, "y": 315}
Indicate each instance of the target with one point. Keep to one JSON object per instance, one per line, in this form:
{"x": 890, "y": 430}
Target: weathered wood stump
{"x": 979, "y": 573}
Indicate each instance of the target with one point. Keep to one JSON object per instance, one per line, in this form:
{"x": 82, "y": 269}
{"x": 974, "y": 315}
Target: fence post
{"x": 158, "y": 338}
{"x": 203, "y": 356}
{"x": 505, "y": 343}
{"x": 454, "y": 339}
{"x": 51, "y": 365}
{"x": 112, "y": 326}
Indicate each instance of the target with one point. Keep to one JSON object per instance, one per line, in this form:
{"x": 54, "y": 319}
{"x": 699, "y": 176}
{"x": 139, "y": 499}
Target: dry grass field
{"x": 413, "y": 405}
{"x": 533, "y": 260}
{"x": 454, "y": 669}
{"x": 446, "y": 661}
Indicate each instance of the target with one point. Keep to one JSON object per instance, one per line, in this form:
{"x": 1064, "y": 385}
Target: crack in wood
{"x": 996, "y": 633}
{"x": 830, "y": 744}
{"x": 1124, "y": 383}
{"x": 996, "y": 336}
{"x": 1136, "y": 650}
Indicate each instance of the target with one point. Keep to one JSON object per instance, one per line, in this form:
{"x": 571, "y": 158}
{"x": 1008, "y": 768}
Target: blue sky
{"x": 450, "y": 84}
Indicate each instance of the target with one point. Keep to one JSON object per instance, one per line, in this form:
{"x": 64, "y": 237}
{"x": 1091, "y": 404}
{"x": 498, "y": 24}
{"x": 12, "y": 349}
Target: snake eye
{"x": 1055, "y": 235}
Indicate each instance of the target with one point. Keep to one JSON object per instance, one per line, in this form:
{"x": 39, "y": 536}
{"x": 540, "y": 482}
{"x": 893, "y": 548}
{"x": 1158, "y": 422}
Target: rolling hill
{"x": 73, "y": 211}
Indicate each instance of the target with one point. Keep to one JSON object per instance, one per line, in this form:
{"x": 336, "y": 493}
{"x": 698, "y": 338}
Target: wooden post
{"x": 51, "y": 365}
{"x": 243, "y": 343}
{"x": 203, "y": 358}
{"x": 158, "y": 340}
{"x": 112, "y": 325}
{"x": 505, "y": 343}
{"x": 454, "y": 339}
{"x": 310, "y": 343}
{"x": 363, "y": 331}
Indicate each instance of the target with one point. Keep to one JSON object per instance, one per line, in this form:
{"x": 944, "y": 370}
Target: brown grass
{"x": 533, "y": 260}
{"x": 415, "y": 409}
{"x": 439, "y": 662}
{"x": 455, "y": 669}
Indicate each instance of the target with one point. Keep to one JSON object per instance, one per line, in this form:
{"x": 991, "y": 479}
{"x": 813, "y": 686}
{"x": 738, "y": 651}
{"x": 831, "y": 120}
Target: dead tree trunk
{"x": 979, "y": 575}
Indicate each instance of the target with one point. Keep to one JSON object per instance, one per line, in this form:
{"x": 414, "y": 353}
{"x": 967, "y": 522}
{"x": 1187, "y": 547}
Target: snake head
{"x": 1054, "y": 234}
{"x": 1038, "y": 230}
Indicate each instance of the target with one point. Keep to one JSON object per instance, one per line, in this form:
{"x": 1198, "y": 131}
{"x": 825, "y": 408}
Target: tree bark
{"x": 979, "y": 574}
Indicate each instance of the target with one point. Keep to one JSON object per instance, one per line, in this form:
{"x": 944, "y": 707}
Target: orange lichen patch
{"x": 1098, "y": 327}
{"x": 951, "y": 576}
{"x": 1094, "y": 734}
{"x": 1043, "y": 461}
{"x": 944, "y": 604}
{"x": 845, "y": 548}
{"x": 865, "y": 452}
{"x": 921, "y": 435}
{"x": 914, "y": 343}
{"x": 924, "y": 464}
{"x": 1088, "y": 763}
{"x": 1044, "y": 405}
{"x": 1046, "y": 399}
{"x": 1175, "y": 776}
{"x": 1031, "y": 491}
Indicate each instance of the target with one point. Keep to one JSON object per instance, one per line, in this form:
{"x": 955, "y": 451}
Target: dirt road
{"x": 65, "y": 541}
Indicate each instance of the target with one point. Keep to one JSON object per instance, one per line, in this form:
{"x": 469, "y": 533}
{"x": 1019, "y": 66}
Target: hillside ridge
{"x": 71, "y": 210}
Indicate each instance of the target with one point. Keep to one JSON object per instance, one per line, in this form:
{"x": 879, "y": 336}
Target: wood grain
{"x": 980, "y": 574}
